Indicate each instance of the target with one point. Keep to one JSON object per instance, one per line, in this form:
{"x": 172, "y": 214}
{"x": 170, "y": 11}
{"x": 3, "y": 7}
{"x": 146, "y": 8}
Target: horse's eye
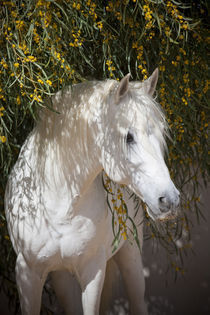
{"x": 129, "y": 138}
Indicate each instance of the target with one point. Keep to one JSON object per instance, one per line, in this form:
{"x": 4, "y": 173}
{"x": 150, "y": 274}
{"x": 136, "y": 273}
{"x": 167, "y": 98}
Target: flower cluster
{"x": 118, "y": 208}
{"x": 110, "y": 67}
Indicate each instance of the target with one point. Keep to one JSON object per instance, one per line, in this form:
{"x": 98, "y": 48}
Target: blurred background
{"x": 190, "y": 293}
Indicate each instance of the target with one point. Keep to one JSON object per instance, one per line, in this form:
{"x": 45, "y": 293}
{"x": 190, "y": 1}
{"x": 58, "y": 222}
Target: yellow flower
{"x": 37, "y": 98}
{"x": 108, "y": 62}
{"x": 76, "y": 6}
{"x": 135, "y": 45}
{"x": 100, "y": 25}
{"x": 30, "y": 59}
{"x": 18, "y": 100}
{"x": 120, "y": 220}
{"x": 19, "y": 24}
{"x": 49, "y": 82}
{"x": 4, "y": 64}
{"x": 124, "y": 234}
{"x": 174, "y": 63}
{"x": 40, "y": 81}
{"x": 185, "y": 26}
{"x": 3, "y": 139}
{"x": 162, "y": 68}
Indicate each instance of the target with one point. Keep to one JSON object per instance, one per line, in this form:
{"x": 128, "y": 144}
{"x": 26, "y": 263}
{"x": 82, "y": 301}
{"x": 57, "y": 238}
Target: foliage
{"x": 48, "y": 44}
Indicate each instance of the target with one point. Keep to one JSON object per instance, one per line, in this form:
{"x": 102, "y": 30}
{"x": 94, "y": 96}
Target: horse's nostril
{"x": 162, "y": 200}
{"x": 168, "y": 202}
{"x": 164, "y": 204}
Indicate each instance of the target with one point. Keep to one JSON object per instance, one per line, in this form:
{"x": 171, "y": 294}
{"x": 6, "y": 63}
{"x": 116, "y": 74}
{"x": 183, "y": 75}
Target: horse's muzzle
{"x": 168, "y": 203}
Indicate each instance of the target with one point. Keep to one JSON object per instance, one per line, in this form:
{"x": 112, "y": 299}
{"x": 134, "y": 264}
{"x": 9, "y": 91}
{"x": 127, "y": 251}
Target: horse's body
{"x": 56, "y": 208}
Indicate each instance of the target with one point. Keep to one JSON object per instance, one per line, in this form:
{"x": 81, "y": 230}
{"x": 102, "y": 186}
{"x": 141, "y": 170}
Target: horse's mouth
{"x": 162, "y": 217}
{"x": 167, "y": 217}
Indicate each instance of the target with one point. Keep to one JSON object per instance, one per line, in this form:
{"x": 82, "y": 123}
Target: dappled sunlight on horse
{"x": 56, "y": 205}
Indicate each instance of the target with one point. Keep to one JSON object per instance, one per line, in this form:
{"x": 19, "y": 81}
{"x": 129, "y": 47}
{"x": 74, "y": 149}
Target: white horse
{"x": 55, "y": 203}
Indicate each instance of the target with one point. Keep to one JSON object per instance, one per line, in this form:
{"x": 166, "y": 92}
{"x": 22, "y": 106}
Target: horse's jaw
{"x": 161, "y": 200}
{"x": 170, "y": 215}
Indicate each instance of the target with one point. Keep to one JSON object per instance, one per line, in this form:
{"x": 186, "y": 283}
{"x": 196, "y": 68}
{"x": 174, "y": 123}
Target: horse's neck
{"x": 72, "y": 161}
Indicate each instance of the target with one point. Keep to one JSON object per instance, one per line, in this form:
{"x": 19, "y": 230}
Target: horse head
{"x": 132, "y": 151}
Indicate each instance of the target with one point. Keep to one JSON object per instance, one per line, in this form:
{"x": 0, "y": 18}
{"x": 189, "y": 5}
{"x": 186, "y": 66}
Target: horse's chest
{"x": 89, "y": 227}
{"x": 79, "y": 238}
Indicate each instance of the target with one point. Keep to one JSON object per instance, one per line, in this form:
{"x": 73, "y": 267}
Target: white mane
{"x": 55, "y": 129}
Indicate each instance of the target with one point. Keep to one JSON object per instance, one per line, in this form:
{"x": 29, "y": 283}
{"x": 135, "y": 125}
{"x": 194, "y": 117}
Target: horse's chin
{"x": 161, "y": 217}
{"x": 167, "y": 217}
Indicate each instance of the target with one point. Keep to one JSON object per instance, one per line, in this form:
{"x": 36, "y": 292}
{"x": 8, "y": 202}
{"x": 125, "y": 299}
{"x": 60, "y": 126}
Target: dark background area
{"x": 190, "y": 294}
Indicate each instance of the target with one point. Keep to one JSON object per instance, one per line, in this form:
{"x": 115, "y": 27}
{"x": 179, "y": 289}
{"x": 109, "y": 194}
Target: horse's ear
{"x": 122, "y": 88}
{"x": 152, "y": 82}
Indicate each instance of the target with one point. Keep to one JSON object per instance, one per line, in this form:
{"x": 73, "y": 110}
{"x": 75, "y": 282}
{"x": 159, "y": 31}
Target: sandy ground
{"x": 189, "y": 295}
